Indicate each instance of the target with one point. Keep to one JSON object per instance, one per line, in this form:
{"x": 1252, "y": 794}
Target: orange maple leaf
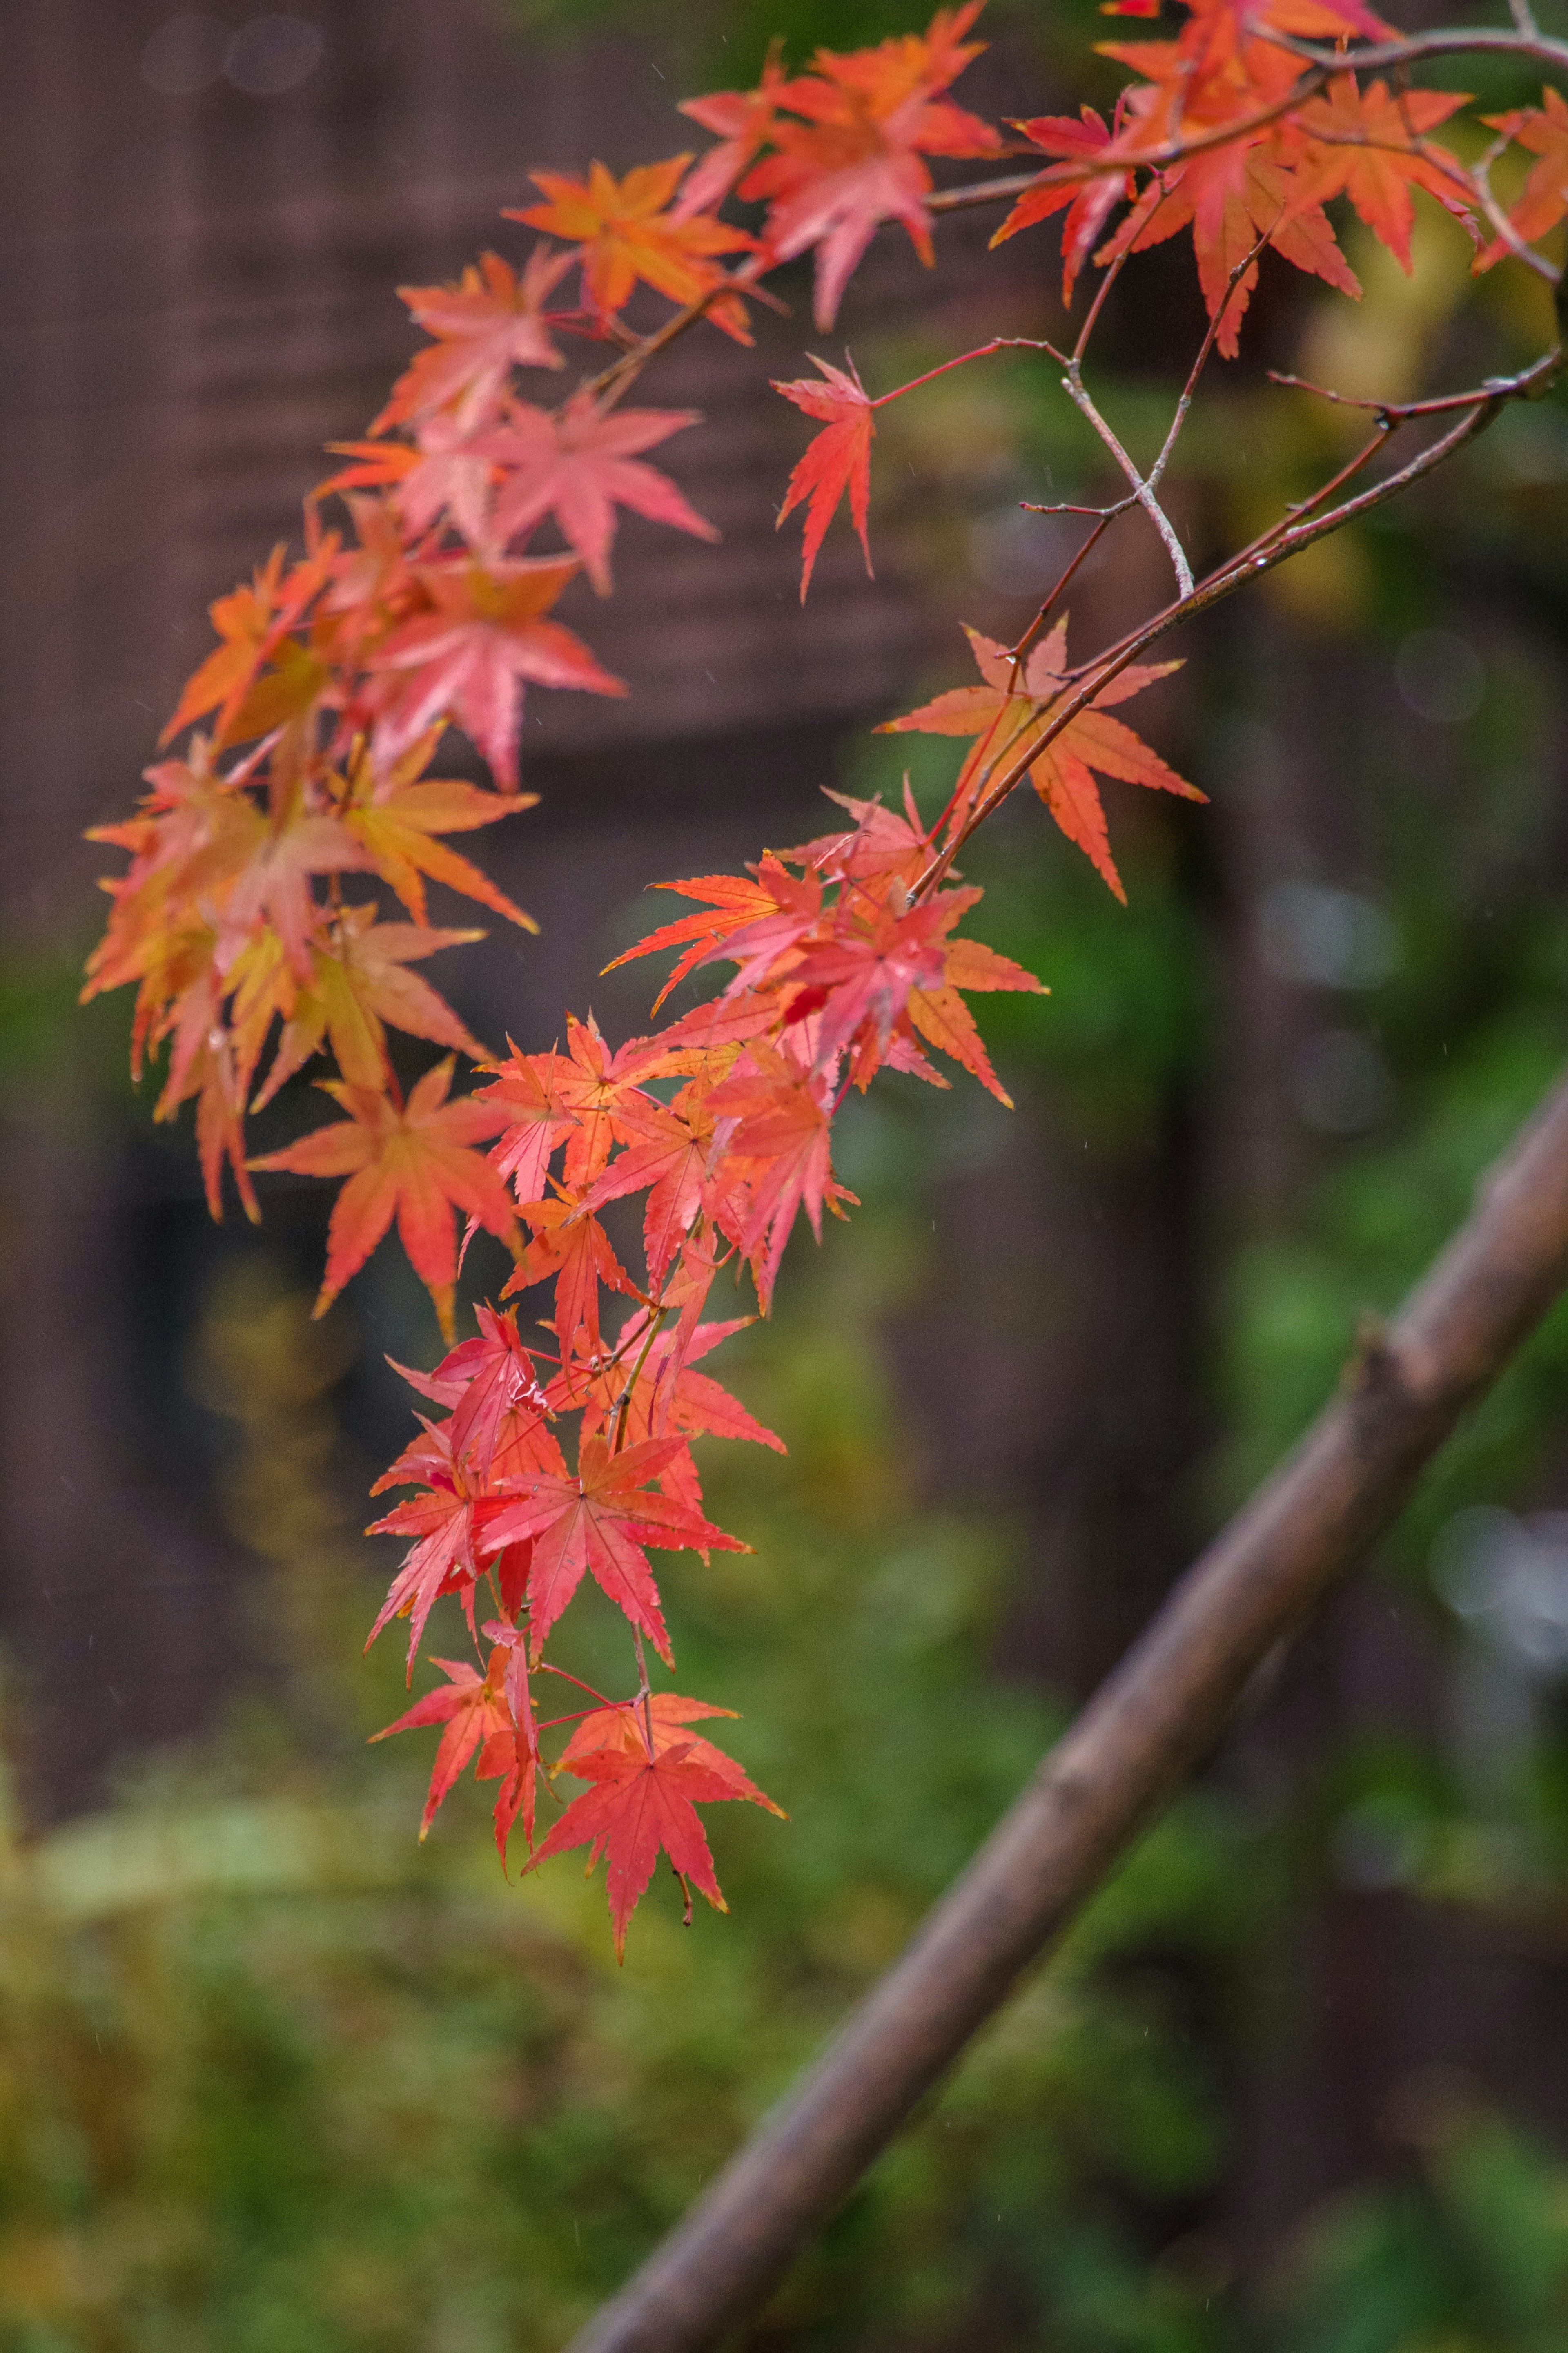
{"x": 1366, "y": 144}
{"x": 411, "y": 1162}
{"x": 477, "y": 1710}
{"x": 359, "y": 982}
{"x": 838, "y": 459}
{"x": 623, "y": 230}
{"x": 1008, "y": 714}
{"x": 397, "y": 815}
{"x": 1543, "y": 130}
{"x": 644, "y": 1799}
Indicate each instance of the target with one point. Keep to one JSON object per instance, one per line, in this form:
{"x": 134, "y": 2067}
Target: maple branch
{"x": 1277, "y": 546}
{"x": 1142, "y": 488}
{"x": 1153, "y": 1720}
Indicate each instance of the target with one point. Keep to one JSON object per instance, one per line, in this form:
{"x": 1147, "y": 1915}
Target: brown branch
{"x": 1153, "y": 1720}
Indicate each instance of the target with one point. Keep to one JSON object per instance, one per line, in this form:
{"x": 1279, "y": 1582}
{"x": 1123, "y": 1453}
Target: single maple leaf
{"x": 412, "y": 1162}
{"x": 468, "y": 658}
{"x": 667, "y": 1155}
{"x": 623, "y": 230}
{"x": 396, "y": 813}
{"x": 491, "y": 322}
{"x": 445, "y": 1523}
{"x": 1366, "y": 144}
{"x": 253, "y": 621}
{"x": 299, "y": 842}
{"x": 594, "y": 1086}
{"x": 476, "y": 1713}
{"x": 537, "y": 1119}
{"x": 732, "y": 902}
{"x": 578, "y": 463}
{"x": 359, "y": 981}
{"x": 1008, "y": 713}
{"x": 1230, "y": 197}
{"x": 775, "y": 1133}
{"x": 855, "y": 158}
{"x": 571, "y": 1248}
{"x": 1544, "y": 131}
{"x": 838, "y": 459}
{"x": 742, "y": 121}
{"x": 1088, "y": 202}
{"x": 644, "y": 1799}
{"x": 493, "y": 1374}
{"x": 600, "y": 1521}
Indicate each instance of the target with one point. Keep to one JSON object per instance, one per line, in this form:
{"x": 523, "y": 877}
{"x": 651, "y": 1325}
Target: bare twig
{"x": 1147, "y": 1727}
{"x": 1142, "y": 490}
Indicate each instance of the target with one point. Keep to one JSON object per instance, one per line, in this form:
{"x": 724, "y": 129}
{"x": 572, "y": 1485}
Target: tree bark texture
{"x": 1151, "y": 1721}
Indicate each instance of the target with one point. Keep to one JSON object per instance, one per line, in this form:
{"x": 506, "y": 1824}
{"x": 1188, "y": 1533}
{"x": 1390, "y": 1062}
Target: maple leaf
{"x": 359, "y": 981}
{"x": 487, "y": 1380}
{"x": 537, "y": 1119}
{"x": 1230, "y": 197}
{"x": 578, "y": 463}
{"x": 1088, "y": 203}
{"x": 471, "y": 656}
{"x": 411, "y": 1162}
{"x": 644, "y": 1799}
{"x": 623, "y": 231}
{"x": 253, "y": 621}
{"x": 478, "y": 1717}
{"x": 668, "y": 1156}
{"x": 855, "y": 158}
{"x": 570, "y": 1246}
{"x": 491, "y": 322}
{"x": 300, "y": 842}
{"x": 838, "y": 459}
{"x": 600, "y": 1521}
{"x": 395, "y": 815}
{"x": 445, "y": 1523}
{"x": 776, "y": 1120}
{"x": 1365, "y": 145}
{"x": 743, "y": 122}
{"x": 1543, "y": 202}
{"x": 733, "y": 901}
{"x": 1007, "y": 716}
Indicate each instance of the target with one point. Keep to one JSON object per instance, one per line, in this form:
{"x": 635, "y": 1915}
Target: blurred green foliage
{"x": 271, "y": 2074}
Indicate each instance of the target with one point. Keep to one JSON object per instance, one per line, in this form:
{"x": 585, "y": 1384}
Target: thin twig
{"x": 1142, "y": 490}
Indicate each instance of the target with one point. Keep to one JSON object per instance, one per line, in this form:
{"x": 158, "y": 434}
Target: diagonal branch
{"x": 1153, "y": 1719}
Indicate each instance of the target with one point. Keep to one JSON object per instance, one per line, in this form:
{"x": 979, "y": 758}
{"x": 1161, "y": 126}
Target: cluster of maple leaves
{"x": 309, "y": 738}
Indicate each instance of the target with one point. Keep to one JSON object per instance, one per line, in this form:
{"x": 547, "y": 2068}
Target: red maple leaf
{"x": 491, "y": 322}
{"x": 411, "y": 1162}
{"x": 468, "y": 658}
{"x": 623, "y": 230}
{"x": 571, "y": 1247}
{"x": 477, "y": 1710}
{"x": 1088, "y": 203}
{"x": 645, "y": 1790}
{"x": 445, "y": 1523}
{"x": 856, "y": 157}
{"x": 600, "y": 1521}
{"x": 838, "y": 459}
{"x": 578, "y": 463}
{"x": 776, "y": 1118}
{"x": 1008, "y": 713}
